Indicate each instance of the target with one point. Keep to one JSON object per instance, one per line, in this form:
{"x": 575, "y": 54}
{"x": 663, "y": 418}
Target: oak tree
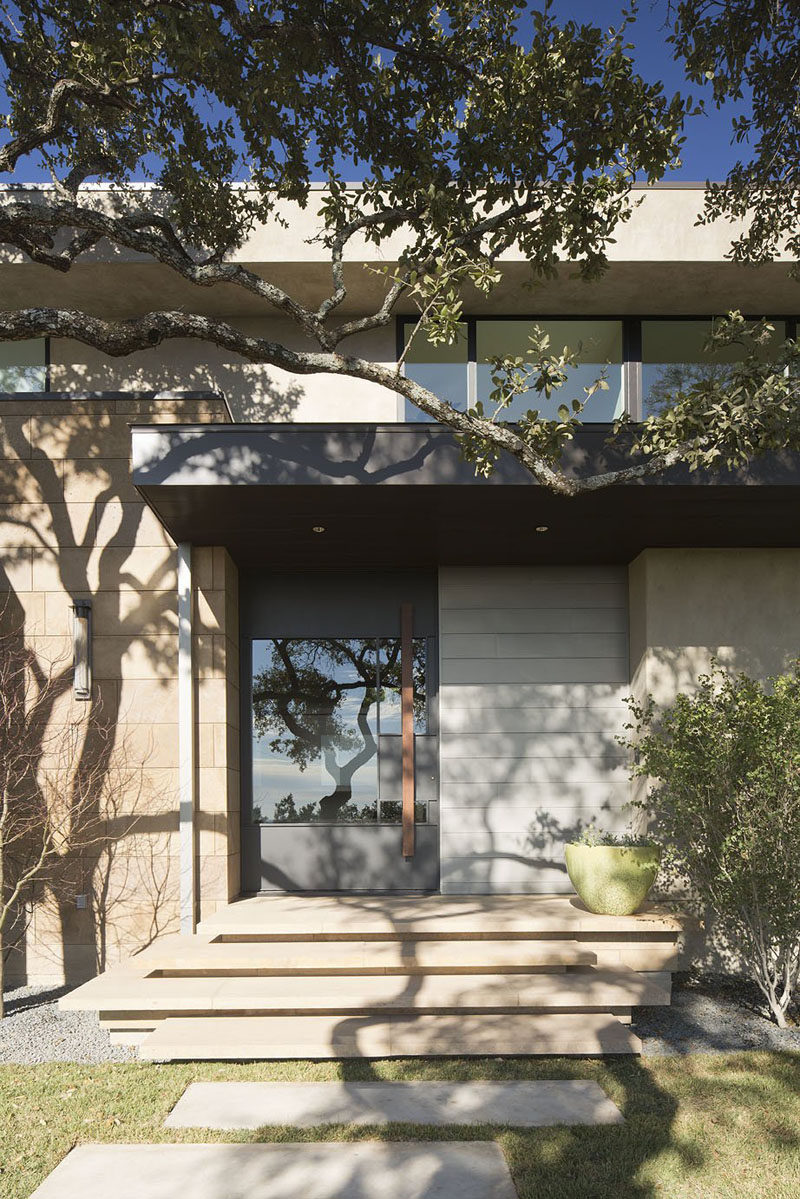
{"x": 473, "y": 127}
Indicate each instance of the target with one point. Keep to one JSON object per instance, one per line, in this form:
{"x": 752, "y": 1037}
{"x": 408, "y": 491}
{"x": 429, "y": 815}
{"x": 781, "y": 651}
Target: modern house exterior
{"x": 303, "y": 602}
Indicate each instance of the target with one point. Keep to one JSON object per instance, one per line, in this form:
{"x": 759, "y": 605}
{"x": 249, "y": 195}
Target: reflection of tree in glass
{"x": 286, "y": 812}
{"x": 391, "y": 683}
{"x": 674, "y": 377}
{"x": 303, "y": 702}
{"x": 392, "y": 812}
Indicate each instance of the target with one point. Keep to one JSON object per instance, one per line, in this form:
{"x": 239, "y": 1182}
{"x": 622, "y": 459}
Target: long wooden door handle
{"x": 407, "y": 723}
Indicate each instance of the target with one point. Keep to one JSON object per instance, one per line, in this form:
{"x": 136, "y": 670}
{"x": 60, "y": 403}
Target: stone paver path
{"x": 228, "y": 1105}
{"x": 400, "y": 1170}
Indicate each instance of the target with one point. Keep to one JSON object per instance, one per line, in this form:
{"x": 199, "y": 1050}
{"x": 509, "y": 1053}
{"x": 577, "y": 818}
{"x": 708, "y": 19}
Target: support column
{"x": 186, "y": 743}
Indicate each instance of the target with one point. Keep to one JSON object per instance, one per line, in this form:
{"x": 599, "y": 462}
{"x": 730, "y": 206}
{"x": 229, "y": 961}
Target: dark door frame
{"x": 335, "y": 604}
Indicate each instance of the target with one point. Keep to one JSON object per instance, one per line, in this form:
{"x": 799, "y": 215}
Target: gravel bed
{"x": 712, "y": 1014}
{"x": 35, "y": 1031}
{"x": 709, "y": 1014}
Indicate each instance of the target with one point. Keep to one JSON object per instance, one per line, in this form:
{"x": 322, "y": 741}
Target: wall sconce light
{"x": 82, "y": 649}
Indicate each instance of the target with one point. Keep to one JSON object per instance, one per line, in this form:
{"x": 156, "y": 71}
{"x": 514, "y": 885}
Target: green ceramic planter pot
{"x": 612, "y": 880}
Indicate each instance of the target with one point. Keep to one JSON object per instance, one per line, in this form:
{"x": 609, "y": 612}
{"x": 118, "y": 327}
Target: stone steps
{"x": 359, "y": 976}
{"x": 203, "y": 956}
{"x": 445, "y": 917}
{"x": 255, "y": 1038}
{"x": 582, "y": 987}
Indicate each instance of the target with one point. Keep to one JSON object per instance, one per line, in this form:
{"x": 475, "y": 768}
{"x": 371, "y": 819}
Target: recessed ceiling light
{"x": 317, "y": 528}
{"x": 542, "y": 528}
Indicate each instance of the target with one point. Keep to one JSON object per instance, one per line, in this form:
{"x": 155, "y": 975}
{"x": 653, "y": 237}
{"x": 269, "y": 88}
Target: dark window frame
{"x": 631, "y": 339}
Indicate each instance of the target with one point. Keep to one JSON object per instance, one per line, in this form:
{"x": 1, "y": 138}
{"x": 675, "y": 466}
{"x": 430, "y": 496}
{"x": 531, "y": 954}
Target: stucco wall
{"x": 534, "y": 667}
{"x": 73, "y": 527}
{"x": 254, "y": 392}
{"x": 741, "y": 606}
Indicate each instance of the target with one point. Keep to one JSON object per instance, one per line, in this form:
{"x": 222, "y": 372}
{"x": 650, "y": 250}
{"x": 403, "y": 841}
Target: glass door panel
{"x": 327, "y": 730}
{"x": 315, "y": 727}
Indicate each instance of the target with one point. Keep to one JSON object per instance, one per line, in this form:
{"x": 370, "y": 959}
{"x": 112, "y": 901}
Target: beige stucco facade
{"x": 687, "y": 606}
{"x": 530, "y": 656}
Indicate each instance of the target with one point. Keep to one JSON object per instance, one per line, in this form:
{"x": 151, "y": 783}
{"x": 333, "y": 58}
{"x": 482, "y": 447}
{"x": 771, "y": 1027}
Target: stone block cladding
{"x": 72, "y": 526}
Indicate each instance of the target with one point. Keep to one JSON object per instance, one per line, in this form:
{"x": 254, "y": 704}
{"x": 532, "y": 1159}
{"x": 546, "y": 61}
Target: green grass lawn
{"x": 721, "y": 1125}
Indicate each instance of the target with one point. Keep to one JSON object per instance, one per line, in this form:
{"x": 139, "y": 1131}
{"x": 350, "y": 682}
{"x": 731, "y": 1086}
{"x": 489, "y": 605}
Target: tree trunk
{"x": 2, "y": 930}
{"x": 778, "y": 1013}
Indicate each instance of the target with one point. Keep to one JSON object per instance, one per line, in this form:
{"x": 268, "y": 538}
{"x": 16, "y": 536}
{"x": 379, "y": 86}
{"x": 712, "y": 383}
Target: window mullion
{"x": 472, "y": 361}
{"x": 632, "y": 366}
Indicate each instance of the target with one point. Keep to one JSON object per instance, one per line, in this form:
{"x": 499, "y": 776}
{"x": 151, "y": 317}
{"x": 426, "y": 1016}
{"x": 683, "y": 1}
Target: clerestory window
{"x": 642, "y": 360}
{"x": 23, "y": 366}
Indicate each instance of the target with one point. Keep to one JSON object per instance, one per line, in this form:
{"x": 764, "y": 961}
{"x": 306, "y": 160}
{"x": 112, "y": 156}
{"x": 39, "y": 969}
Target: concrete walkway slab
{"x": 451, "y": 1170}
{"x": 304, "y": 1105}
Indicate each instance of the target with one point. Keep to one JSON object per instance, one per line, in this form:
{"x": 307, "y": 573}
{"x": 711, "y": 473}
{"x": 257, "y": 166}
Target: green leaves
{"x": 731, "y": 412}
{"x": 470, "y": 144}
{"x": 749, "y": 50}
{"x": 723, "y": 765}
{"x": 442, "y": 110}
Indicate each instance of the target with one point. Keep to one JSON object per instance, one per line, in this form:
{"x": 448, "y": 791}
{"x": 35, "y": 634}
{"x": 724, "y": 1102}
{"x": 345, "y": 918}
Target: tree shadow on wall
{"x": 252, "y": 394}
{"x": 72, "y": 527}
{"x": 78, "y": 815}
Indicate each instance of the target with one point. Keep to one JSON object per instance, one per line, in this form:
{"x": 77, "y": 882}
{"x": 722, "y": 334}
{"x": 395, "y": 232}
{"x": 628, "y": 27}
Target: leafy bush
{"x": 724, "y": 766}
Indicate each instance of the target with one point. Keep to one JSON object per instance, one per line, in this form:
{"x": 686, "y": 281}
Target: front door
{"x": 327, "y": 659}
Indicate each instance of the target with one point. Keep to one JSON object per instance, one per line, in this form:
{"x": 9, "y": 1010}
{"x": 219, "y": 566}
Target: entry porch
{"x": 343, "y": 976}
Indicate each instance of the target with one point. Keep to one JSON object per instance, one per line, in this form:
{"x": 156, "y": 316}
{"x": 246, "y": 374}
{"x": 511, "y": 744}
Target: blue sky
{"x": 707, "y": 154}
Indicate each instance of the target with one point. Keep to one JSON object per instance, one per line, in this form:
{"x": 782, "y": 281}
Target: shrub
{"x": 724, "y": 800}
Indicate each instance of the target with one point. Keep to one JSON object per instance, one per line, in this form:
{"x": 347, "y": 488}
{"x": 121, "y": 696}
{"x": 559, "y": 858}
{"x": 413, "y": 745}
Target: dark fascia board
{"x": 293, "y": 497}
{"x": 416, "y": 454}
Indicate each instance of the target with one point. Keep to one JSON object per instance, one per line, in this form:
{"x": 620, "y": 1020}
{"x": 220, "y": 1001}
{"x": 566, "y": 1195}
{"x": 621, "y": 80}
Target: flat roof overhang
{"x": 401, "y": 495}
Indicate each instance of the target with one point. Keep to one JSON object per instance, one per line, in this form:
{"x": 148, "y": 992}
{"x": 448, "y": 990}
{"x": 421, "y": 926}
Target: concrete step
{"x": 200, "y": 956}
{"x": 292, "y": 917}
{"x": 656, "y": 955}
{"x": 257, "y": 1038}
{"x": 579, "y": 988}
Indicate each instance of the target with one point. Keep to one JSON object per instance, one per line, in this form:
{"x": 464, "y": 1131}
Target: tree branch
{"x": 32, "y": 224}
{"x": 123, "y": 337}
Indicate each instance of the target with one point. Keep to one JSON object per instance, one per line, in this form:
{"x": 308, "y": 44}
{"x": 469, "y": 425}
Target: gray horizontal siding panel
{"x": 504, "y": 881}
{"x": 538, "y": 594}
{"x": 523, "y": 850}
{"x": 541, "y": 825}
{"x": 477, "y": 696}
{"x": 531, "y": 745}
{"x": 527, "y": 798}
{"x": 535, "y": 645}
{"x": 534, "y": 671}
{"x": 555, "y": 718}
{"x": 535, "y": 620}
{"x": 529, "y": 770}
{"x": 511, "y": 580}
{"x": 477, "y": 671}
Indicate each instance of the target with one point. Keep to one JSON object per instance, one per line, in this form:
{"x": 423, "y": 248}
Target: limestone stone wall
{"x": 73, "y": 527}
{"x": 216, "y": 671}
